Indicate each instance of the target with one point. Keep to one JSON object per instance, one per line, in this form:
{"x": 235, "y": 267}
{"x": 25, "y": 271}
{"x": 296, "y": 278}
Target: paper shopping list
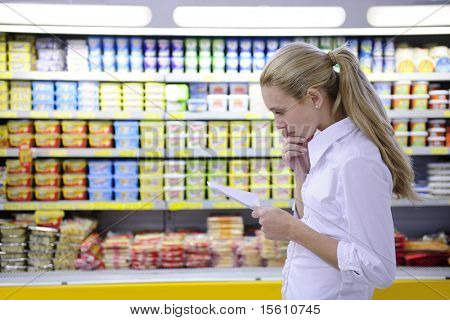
{"x": 248, "y": 199}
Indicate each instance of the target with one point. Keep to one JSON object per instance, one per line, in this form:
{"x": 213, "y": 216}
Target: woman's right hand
{"x": 295, "y": 154}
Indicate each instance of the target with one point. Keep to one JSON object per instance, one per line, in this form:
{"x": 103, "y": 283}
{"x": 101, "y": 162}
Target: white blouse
{"x": 347, "y": 196}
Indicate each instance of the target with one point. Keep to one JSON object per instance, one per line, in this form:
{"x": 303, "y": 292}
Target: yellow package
{"x": 151, "y": 166}
{"x": 20, "y": 106}
{"x": 218, "y": 128}
{"x": 16, "y": 140}
{"x": 19, "y": 66}
{"x": 76, "y": 126}
{"x": 3, "y": 56}
{"x": 75, "y": 166}
{"x": 239, "y": 128}
{"x": 20, "y": 126}
{"x": 46, "y": 166}
{"x": 97, "y": 127}
{"x": 3, "y": 86}
{"x": 19, "y": 57}
{"x": 4, "y": 136}
{"x": 47, "y": 193}
{"x": 218, "y": 142}
{"x": 21, "y": 84}
{"x": 19, "y": 46}
{"x": 239, "y": 166}
{"x": 263, "y": 192}
{"x": 151, "y": 194}
{"x": 47, "y": 180}
{"x": 3, "y": 66}
{"x": 14, "y": 166}
{"x": 2, "y": 46}
{"x": 282, "y": 192}
{"x": 240, "y": 181}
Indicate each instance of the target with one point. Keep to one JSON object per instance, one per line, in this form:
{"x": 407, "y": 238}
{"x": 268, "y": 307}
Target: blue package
{"x": 100, "y": 166}
{"x": 43, "y": 106}
{"x": 123, "y": 62}
{"x": 136, "y": 62}
{"x": 163, "y": 48}
{"x": 150, "y": 64}
{"x": 136, "y": 44}
{"x": 389, "y": 48}
{"x": 377, "y": 65}
{"x": 100, "y": 194}
{"x": 125, "y": 167}
{"x": 383, "y": 88}
{"x": 442, "y": 64}
{"x": 389, "y": 64}
{"x": 94, "y": 43}
{"x": 108, "y": 44}
{"x": 284, "y": 42}
{"x": 126, "y": 128}
{"x": 69, "y": 99}
{"x": 232, "y": 45}
{"x": 366, "y": 46}
{"x": 198, "y": 90}
{"x": 122, "y": 44}
{"x": 125, "y": 181}
{"x": 97, "y": 180}
{"x": 95, "y": 62}
{"x": 66, "y": 106}
{"x": 272, "y": 44}
{"x": 66, "y": 86}
{"x": 245, "y": 45}
{"x": 245, "y": 64}
{"x": 378, "y": 47}
{"x": 43, "y": 86}
{"x": 177, "y": 46}
{"x": 232, "y": 64}
{"x": 150, "y": 45}
{"x": 126, "y": 194}
{"x": 163, "y": 64}
{"x": 258, "y": 64}
{"x": 352, "y": 44}
{"x": 88, "y": 86}
{"x": 43, "y": 97}
{"x": 177, "y": 64}
{"x": 109, "y": 61}
{"x": 127, "y": 142}
{"x": 259, "y": 47}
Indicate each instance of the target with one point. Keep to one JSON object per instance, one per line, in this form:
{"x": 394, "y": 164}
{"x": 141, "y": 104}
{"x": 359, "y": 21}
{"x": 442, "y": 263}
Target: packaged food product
{"x": 17, "y": 140}
{"x": 125, "y": 167}
{"x": 196, "y": 194}
{"x": 100, "y": 194}
{"x": 151, "y": 166}
{"x": 217, "y": 103}
{"x": 400, "y": 125}
{"x": 151, "y": 180}
{"x": 282, "y": 179}
{"x": 125, "y": 181}
{"x": 47, "y": 193}
{"x": 12, "y": 230}
{"x": 262, "y": 192}
{"x": 177, "y": 92}
{"x": 438, "y": 104}
{"x": 126, "y": 128}
{"x": 20, "y": 126}
{"x": 70, "y": 140}
{"x": 151, "y": 194}
{"x": 175, "y": 166}
{"x": 420, "y": 87}
{"x": 402, "y": 138}
{"x": 241, "y": 181}
{"x": 238, "y": 103}
{"x": 19, "y": 180}
{"x": 260, "y": 179}
{"x": 47, "y": 179}
{"x": 126, "y": 194}
{"x": 418, "y": 125}
{"x": 174, "y": 193}
{"x": 418, "y": 138}
{"x": 281, "y": 193}
{"x": 419, "y": 103}
{"x": 100, "y": 127}
{"x": 402, "y": 87}
{"x": 436, "y": 132}
{"x": 213, "y": 194}
{"x": 174, "y": 180}
{"x": 47, "y": 126}
{"x": 436, "y": 141}
{"x": 46, "y": 166}
{"x": 74, "y": 126}
{"x": 100, "y": 181}
{"x": 198, "y": 180}
{"x": 75, "y": 179}
{"x": 14, "y": 166}
{"x": 75, "y": 193}
{"x": 4, "y": 141}
{"x": 99, "y": 167}
{"x": 45, "y": 140}
{"x": 197, "y": 105}
{"x": 127, "y": 142}
{"x": 438, "y": 94}
{"x": 101, "y": 140}
{"x": 436, "y": 123}
{"x": 13, "y": 247}
{"x": 175, "y": 128}
{"x": 75, "y": 166}
{"x": 400, "y": 103}
{"x": 49, "y": 218}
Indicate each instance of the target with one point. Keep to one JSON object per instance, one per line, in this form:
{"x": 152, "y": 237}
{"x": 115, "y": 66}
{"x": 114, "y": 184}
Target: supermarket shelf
{"x": 83, "y": 76}
{"x": 182, "y": 153}
{"x": 193, "y": 77}
{"x": 228, "y": 32}
{"x": 185, "y": 275}
{"x": 418, "y": 114}
{"x": 176, "y": 205}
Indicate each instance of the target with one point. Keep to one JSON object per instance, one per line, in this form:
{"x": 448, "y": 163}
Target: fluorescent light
{"x": 75, "y": 15}
{"x": 408, "y": 16}
{"x": 258, "y": 17}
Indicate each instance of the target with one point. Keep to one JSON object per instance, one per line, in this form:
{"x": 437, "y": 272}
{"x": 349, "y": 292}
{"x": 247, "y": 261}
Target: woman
{"x": 347, "y": 165}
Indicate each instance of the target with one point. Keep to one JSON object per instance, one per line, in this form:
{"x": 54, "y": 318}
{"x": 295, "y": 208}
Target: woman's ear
{"x": 316, "y": 97}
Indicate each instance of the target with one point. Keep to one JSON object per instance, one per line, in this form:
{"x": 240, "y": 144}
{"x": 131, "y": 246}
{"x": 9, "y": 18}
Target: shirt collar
{"x": 324, "y": 139}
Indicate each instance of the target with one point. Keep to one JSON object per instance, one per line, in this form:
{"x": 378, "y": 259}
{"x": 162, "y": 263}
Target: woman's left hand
{"x": 275, "y": 223}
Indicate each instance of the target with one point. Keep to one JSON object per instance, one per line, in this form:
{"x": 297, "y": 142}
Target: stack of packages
{"x": 198, "y": 93}
{"x": 197, "y": 248}
{"x": 43, "y": 95}
{"x": 123, "y": 54}
{"x": 273, "y": 252}
{"x": 439, "y": 179}
{"x": 174, "y": 180}
{"x": 4, "y": 95}
{"x": 21, "y": 53}
{"x": 239, "y": 174}
{"x": 145, "y": 250}
{"x": 116, "y": 251}
{"x": 95, "y": 53}
{"x": 20, "y": 95}
{"x": 431, "y": 250}
{"x": 282, "y": 180}
{"x": 41, "y": 245}
{"x": 133, "y": 96}
{"x": 126, "y": 180}
{"x": 109, "y": 54}
{"x": 3, "y": 53}
{"x": 155, "y": 96}
{"x": 225, "y": 231}
{"x": 151, "y": 180}
{"x": 66, "y": 95}
{"x": 171, "y": 254}
{"x": 77, "y": 56}
{"x": 90, "y": 257}
{"x": 177, "y": 96}
{"x": 260, "y": 178}
{"x": 196, "y": 180}
{"x": 217, "y": 173}
{"x": 51, "y": 55}
{"x": 3, "y": 194}
{"x": 126, "y": 134}
{"x": 88, "y": 96}
{"x": 72, "y": 234}
{"x": 12, "y": 247}
{"x": 247, "y": 251}
{"x": 110, "y": 96}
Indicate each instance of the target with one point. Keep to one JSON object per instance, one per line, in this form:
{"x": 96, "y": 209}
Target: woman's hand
{"x": 295, "y": 154}
{"x": 275, "y": 223}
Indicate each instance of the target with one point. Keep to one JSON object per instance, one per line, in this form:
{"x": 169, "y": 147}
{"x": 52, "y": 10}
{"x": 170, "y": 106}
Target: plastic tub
{"x": 176, "y": 106}
{"x": 176, "y": 142}
{"x": 151, "y": 180}
{"x": 99, "y": 127}
{"x": 438, "y": 94}
{"x": 174, "y": 194}
{"x": 96, "y": 194}
{"x": 100, "y": 181}
{"x": 76, "y": 126}
{"x": 47, "y": 180}
{"x": 125, "y": 181}
{"x": 402, "y": 87}
{"x": 418, "y": 138}
{"x": 282, "y": 179}
{"x": 47, "y": 126}
{"x": 218, "y": 88}
{"x": 400, "y": 103}
{"x": 175, "y": 166}
{"x": 215, "y": 195}
{"x": 175, "y": 128}
{"x": 127, "y": 142}
{"x": 281, "y": 193}
{"x": 198, "y": 180}
{"x": 420, "y": 87}
{"x": 436, "y": 132}
{"x": 126, "y": 194}
{"x": 151, "y": 195}
{"x": 400, "y": 125}
{"x": 238, "y": 103}
{"x": 402, "y": 138}
{"x": 260, "y": 179}
{"x": 418, "y": 125}
{"x": 44, "y": 140}
{"x": 240, "y": 181}
{"x": 70, "y": 140}
{"x": 437, "y": 123}
{"x": 14, "y": 166}
{"x": 197, "y": 105}
{"x": 419, "y": 103}
{"x": 242, "y": 142}
{"x": 174, "y": 180}
{"x": 75, "y": 179}
{"x": 99, "y": 167}
{"x": 75, "y": 193}
{"x": 43, "y": 106}
{"x": 151, "y": 166}
{"x": 75, "y": 166}
{"x": 436, "y": 141}
{"x": 262, "y": 192}
{"x": 19, "y": 180}
{"x": 217, "y": 103}
{"x": 47, "y": 193}
{"x": 20, "y": 126}
{"x": 438, "y": 104}
{"x": 123, "y": 167}
{"x": 47, "y": 166}
{"x": 101, "y": 140}
{"x": 20, "y": 194}
{"x": 16, "y": 140}
{"x": 195, "y": 194}
{"x": 126, "y": 128}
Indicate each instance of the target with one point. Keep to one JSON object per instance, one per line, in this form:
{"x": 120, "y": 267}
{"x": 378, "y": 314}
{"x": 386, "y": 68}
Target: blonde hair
{"x": 299, "y": 66}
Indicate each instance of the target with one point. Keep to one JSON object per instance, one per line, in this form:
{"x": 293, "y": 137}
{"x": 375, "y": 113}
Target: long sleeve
{"x": 367, "y": 255}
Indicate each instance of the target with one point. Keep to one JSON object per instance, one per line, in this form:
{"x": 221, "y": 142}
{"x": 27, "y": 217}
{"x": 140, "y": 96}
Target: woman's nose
{"x": 279, "y": 123}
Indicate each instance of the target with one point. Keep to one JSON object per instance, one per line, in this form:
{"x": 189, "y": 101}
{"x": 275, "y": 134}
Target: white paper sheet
{"x": 248, "y": 199}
